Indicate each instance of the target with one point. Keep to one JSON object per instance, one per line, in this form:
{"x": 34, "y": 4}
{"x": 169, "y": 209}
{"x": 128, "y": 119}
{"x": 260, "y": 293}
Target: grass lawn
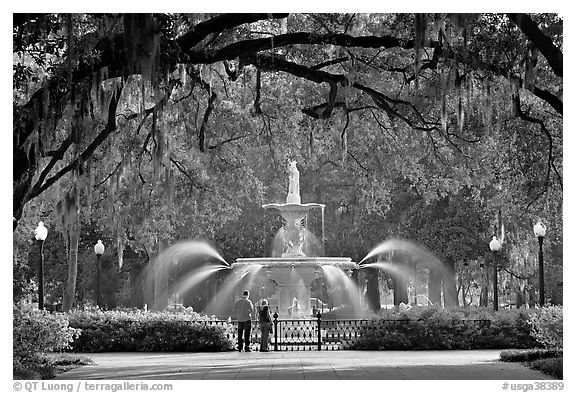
{"x": 49, "y": 366}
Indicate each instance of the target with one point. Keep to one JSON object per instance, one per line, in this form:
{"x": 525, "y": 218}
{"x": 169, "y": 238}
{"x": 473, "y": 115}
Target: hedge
{"x": 432, "y": 328}
{"x": 120, "y": 331}
{"x": 528, "y": 355}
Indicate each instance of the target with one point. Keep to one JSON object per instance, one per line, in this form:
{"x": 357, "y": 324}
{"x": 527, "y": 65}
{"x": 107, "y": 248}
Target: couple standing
{"x": 243, "y": 309}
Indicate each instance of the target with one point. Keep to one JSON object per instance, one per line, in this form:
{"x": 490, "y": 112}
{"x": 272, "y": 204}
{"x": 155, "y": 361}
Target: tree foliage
{"x": 151, "y": 128}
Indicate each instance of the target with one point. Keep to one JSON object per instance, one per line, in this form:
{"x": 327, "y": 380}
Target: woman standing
{"x": 265, "y": 321}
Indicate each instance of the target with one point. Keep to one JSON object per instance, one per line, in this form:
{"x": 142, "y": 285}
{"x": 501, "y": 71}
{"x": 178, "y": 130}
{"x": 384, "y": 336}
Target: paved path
{"x": 396, "y": 365}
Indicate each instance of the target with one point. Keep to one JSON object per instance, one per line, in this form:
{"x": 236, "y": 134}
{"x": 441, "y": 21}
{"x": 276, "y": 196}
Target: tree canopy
{"x": 168, "y": 126}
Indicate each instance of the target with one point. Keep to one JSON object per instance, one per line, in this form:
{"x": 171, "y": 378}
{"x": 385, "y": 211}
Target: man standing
{"x": 243, "y": 309}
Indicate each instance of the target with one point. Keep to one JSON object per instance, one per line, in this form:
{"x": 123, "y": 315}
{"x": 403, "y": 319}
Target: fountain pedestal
{"x": 293, "y": 215}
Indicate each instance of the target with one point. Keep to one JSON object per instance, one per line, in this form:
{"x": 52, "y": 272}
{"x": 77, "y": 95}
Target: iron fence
{"x": 315, "y": 334}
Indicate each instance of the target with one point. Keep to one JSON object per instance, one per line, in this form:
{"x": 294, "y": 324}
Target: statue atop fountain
{"x": 293, "y": 184}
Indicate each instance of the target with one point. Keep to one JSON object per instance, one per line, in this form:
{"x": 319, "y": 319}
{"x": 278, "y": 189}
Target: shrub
{"x": 527, "y": 355}
{"x": 38, "y": 331}
{"x": 546, "y": 360}
{"x": 436, "y": 328}
{"x": 48, "y": 367}
{"x": 552, "y": 366}
{"x": 35, "y": 333}
{"x": 547, "y": 326}
{"x": 107, "y": 331}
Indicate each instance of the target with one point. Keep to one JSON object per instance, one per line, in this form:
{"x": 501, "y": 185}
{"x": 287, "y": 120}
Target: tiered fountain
{"x": 290, "y": 273}
{"x": 294, "y": 271}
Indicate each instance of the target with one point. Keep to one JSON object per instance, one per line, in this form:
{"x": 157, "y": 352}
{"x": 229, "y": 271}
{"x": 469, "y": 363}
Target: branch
{"x": 331, "y": 100}
{"x": 381, "y": 100}
{"x": 57, "y": 155}
{"x": 242, "y": 48}
{"x": 257, "y": 108}
{"x": 316, "y": 111}
{"x": 544, "y": 43}
{"x": 383, "y": 127}
{"x": 525, "y": 116}
{"x": 220, "y": 23}
{"x": 343, "y": 137}
{"x": 202, "y": 132}
{"x": 330, "y": 62}
{"x": 39, "y": 188}
{"x": 274, "y": 63}
{"x": 231, "y": 139}
{"x": 358, "y": 162}
{"x": 109, "y": 175}
{"x": 248, "y": 48}
{"x": 517, "y": 275}
{"x": 550, "y": 98}
{"x": 183, "y": 170}
{"x": 475, "y": 61}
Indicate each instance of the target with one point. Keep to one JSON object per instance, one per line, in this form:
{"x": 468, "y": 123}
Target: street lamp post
{"x": 40, "y": 233}
{"x": 495, "y": 246}
{"x": 98, "y": 250}
{"x": 540, "y": 232}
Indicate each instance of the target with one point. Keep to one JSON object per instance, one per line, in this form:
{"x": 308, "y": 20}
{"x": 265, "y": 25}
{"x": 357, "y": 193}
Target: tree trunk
{"x": 449, "y": 286}
{"x": 400, "y": 290}
{"x": 136, "y": 286}
{"x": 161, "y": 280}
{"x": 434, "y": 286}
{"x": 24, "y": 167}
{"x": 373, "y": 289}
{"x": 70, "y": 292}
{"x": 519, "y": 299}
{"x": 463, "y": 291}
{"x": 532, "y": 298}
{"x": 148, "y": 285}
{"x": 484, "y": 288}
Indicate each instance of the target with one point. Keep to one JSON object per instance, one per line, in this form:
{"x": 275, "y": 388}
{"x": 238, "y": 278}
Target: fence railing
{"x": 315, "y": 334}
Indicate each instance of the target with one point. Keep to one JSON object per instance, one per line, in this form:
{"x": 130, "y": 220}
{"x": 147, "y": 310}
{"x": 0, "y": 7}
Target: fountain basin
{"x": 293, "y": 277}
{"x": 305, "y": 268}
{"x": 299, "y": 262}
{"x": 291, "y": 207}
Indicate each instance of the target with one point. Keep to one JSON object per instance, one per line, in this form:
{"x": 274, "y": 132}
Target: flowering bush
{"x": 106, "y": 331}
{"x": 547, "y": 326}
{"x": 37, "y": 332}
{"x": 429, "y": 328}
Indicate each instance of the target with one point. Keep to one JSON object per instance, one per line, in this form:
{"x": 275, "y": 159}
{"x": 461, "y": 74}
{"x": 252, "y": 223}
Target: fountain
{"x": 294, "y": 271}
{"x": 286, "y": 278}
{"x": 290, "y": 275}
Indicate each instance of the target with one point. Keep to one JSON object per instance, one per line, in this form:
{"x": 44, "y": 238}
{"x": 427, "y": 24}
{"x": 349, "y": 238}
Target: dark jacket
{"x": 264, "y": 315}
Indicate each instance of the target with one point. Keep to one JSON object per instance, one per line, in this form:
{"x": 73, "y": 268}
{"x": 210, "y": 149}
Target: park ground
{"x": 304, "y": 365}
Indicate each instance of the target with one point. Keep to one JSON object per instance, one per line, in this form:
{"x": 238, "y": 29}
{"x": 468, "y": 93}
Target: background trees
{"x": 150, "y": 128}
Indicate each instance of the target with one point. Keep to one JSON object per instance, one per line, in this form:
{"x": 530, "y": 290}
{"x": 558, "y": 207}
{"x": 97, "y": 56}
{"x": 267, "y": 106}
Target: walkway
{"x": 395, "y": 365}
